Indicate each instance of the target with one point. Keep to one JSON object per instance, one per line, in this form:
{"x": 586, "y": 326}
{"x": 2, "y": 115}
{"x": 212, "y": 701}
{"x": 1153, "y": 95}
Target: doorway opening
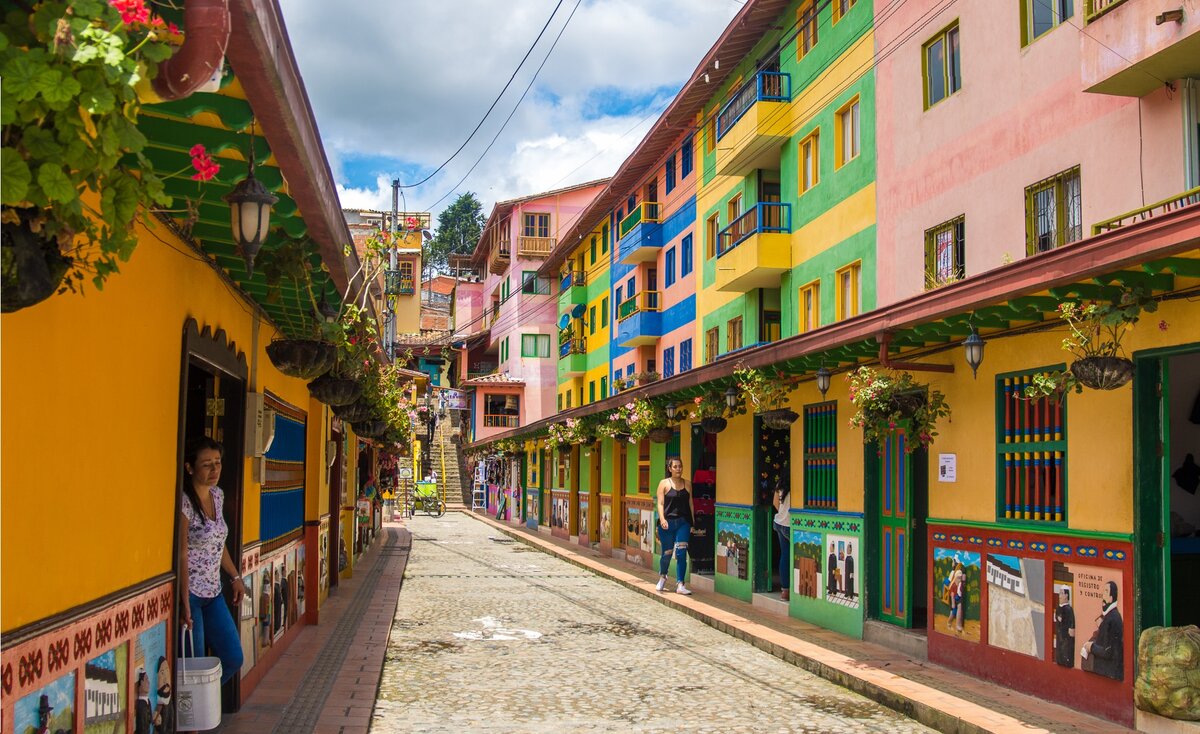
{"x": 702, "y": 546}
{"x": 772, "y": 453}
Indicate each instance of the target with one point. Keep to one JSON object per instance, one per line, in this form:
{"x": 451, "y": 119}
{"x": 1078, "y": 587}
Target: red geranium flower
{"x": 132, "y": 11}
{"x": 205, "y": 166}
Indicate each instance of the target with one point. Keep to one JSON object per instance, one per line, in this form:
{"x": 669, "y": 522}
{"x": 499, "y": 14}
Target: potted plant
{"x": 572, "y": 431}
{"x": 645, "y": 378}
{"x": 885, "y": 402}
{"x": 71, "y": 72}
{"x": 358, "y": 410}
{"x": 1096, "y": 330}
{"x": 646, "y": 420}
{"x": 615, "y": 426}
{"x": 710, "y": 410}
{"x": 767, "y": 391}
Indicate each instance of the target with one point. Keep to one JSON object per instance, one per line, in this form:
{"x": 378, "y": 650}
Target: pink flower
{"x": 1162, "y": 325}
{"x": 205, "y": 166}
{"x": 131, "y": 11}
{"x": 697, "y": 401}
{"x": 173, "y": 29}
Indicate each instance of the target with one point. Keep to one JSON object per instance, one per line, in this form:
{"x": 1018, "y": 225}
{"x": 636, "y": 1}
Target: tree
{"x": 459, "y": 227}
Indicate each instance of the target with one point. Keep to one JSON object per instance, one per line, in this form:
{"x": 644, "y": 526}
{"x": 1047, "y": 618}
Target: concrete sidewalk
{"x": 943, "y": 699}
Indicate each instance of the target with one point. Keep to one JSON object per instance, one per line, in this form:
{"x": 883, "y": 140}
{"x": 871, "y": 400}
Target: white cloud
{"x": 405, "y": 82}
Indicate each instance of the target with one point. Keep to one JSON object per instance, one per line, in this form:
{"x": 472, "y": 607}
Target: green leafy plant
{"x": 72, "y": 170}
{"x": 709, "y": 405}
{"x": 507, "y": 446}
{"x": 570, "y": 431}
{"x": 885, "y": 402}
{"x": 764, "y": 389}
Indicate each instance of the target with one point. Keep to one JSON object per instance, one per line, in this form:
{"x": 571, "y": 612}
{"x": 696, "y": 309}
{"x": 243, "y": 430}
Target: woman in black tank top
{"x": 674, "y": 524}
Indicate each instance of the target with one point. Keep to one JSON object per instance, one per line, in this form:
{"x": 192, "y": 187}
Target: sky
{"x": 397, "y": 85}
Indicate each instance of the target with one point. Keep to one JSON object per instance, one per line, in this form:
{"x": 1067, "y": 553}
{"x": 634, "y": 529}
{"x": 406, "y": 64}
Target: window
{"x": 712, "y": 344}
{"x": 807, "y": 32}
{"x": 685, "y": 355}
{"x": 629, "y": 285}
{"x": 810, "y": 161}
{"x": 1031, "y": 452}
{"x": 668, "y": 362}
{"x": 669, "y": 264}
{"x": 945, "y": 253}
{"x": 535, "y": 225}
{"x": 604, "y": 387}
{"x": 942, "y": 65}
{"x": 569, "y": 394}
{"x": 841, "y": 7}
{"x": 686, "y": 154}
{"x": 592, "y": 391}
{"x": 1041, "y": 16}
{"x": 560, "y": 402}
{"x": 735, "y": 208}
{"x": 733, "y": 334}
{"x": 670, "y": 175}
{"x": 593, "y": 250}
{"x": 591, "y": 320}
{"x": 771, "y": 328}
{"x": 604, "y": 312}
{"x": 504, "y": 290}
{"x": 710, "y": 133}
{"x": 810, "y": 306}
{"x": 1053, "y": 213}
{"x": 651, "y": 365}
{"x": 618, "y": 293}
{"x": 532, "y": 285}
{"x": 604, "y": 240}
{"x": 504, "y": 350}
{"x": 535, "y": 345}
{"x": 712, "y": 229}
{"x": 501, "y": 411}
{"x": 685, "y": 255}
{"x": 820, "y": 456}
{"x": 847, "y": 143}
{"x": 631, "y": 203}
{"x": 848, "y": 281}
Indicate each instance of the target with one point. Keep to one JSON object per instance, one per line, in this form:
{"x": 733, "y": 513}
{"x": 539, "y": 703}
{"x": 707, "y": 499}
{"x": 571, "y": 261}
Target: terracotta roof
{"x": 500, "y": 378}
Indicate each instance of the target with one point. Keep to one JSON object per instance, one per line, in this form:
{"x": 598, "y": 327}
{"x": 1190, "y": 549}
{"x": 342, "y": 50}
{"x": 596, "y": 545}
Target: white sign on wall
{"x": 947, "y": 467}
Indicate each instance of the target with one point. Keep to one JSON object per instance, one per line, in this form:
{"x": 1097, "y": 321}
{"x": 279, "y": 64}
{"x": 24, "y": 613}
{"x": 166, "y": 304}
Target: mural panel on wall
{"x": 300, "y": 554}
{"x": 531, "y": 509}
{"x": 1017, "y": 604}
{"x": 806, "y": 564}
{"x": 248, "y": 622}
{"x": 733, "y": 549}
{"x": 956, "y": 579}
{"x": 266, "y": 605}
{"x": 606, "y": 522}
{"x": 559, "y": 513}
{"x": 841, "y": 564}
{"x": 48, "y": 709}
{"x": 1090, "y": 605}
{"x": 105, "y": 688}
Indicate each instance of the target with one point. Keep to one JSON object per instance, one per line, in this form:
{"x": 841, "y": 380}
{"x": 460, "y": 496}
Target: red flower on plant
{"x": 132, "y": 11}
{"x": 1162, "y": 325}
{"x": 205, "y": 166}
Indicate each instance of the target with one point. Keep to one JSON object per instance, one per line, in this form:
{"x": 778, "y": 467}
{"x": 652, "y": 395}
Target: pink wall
{"x": 468, "y": 308}
{"x": 1128, "y": 34}
{"x": 1020, "y": 116}
{"x": 481, "y": 431}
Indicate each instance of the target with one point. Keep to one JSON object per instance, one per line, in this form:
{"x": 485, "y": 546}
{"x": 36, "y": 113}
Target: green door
{"x": 895, "y": 531}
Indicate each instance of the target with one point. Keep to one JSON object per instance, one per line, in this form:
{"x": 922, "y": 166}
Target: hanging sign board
{"x": 947, "y": 467}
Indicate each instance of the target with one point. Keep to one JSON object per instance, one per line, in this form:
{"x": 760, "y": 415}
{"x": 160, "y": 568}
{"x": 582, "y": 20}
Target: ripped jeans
{"x": 674, "y": 538}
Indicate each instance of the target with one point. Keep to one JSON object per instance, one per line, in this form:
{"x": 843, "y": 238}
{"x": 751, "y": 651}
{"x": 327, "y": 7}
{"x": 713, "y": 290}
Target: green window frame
{"x": 1039, "y": 17}
{"x": 504, "y": 291}
{"x": 604, "y": 240}
{"x": 504, "y": 349}
{"x": 591, "y": 320}
{"x": 592, "y": 391}
{"x": 532, "y": 285}
{"x": 1054, "y": 212}
{"x": 820, "y": 456}
{"x": 604, "y": 313}
{"x": 593, "y": 250}
{"x": 941, "y": 65}
{"x": 604, "y": 387}
{"x": 536, "y": 346}
{"x": 1031, "y": 452}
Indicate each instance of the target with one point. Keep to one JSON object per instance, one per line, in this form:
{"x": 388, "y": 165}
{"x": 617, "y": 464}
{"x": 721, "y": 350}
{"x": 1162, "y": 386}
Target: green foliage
{"x": 765, "y": 389}
{"x": 888, "y": 403}
{"x": 709, "y": 405}
{"x": 69, "y": 109}
{"x": 459, "y": 227}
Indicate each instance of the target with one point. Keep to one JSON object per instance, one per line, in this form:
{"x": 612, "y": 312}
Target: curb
{"x": 929, "y": 706}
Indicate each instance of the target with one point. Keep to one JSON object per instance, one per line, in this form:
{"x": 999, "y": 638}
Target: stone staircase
{"x": 456, "y": 492}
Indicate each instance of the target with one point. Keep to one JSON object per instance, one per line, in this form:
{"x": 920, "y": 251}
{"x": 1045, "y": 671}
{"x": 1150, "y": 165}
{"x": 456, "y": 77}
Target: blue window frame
{"x": 631, "y": 202}
{"x": 685, "y": 355}
{"x": 686, "y": 154}
{"x": 685, "y": 255}
{"x": 631, "y": 369}
{"x": 616, "y": 375}
{"x": 670, "y": 179}
{"x": 617, "y": 298}
{"x": 669, "y": 265}
{"x": 630, "y": 286}
{"x": 668, "y": 362}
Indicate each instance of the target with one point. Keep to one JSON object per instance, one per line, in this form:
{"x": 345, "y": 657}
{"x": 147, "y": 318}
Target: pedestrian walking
{"x": 783, "y": 531}
{"x": 203, "y": 546}
{"x": 674, "y": 523}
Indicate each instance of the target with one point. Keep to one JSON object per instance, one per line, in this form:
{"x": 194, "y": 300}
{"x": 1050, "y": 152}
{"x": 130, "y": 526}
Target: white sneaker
{"x": 681, "y": 589}
{"x": 662, "y": 584}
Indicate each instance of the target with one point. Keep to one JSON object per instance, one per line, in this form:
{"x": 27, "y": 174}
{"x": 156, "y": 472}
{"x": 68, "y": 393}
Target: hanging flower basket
{"x": 908, "y": 403}
{"x": 34, "y": 267}
{"x": 660, "y": 435}
{"x": 303, "y": 358}
{"x": 780, "y": 419}
{"x": 354, "y": 412}
{"x": 370, "y": 428}
{"x": 1102, "y": 373}
{"x": 334, "y": 390}
{"x": 713, "y": 425}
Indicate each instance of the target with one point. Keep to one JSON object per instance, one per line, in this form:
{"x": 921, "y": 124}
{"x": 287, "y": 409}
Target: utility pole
{"x": 393, "y": 266}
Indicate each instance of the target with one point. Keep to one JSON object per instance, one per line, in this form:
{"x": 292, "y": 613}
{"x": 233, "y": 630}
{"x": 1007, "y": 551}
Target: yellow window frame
{"x": 854, "y": 271}
{"x": 854, "y": 108}
{"x": 811, "y": 141}
{"x": 812, "y": 289}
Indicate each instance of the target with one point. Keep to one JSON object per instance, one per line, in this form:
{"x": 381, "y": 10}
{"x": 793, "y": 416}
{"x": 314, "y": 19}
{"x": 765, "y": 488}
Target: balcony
{"x": 500, "y": 257}
{"x": 1187, "y": 198}
{"x": 755, "y": 249}
{"x": 535, "y": 246}
{"x": 572, "y": 355}
{"x": 640, "y": 234}
{"x": 751, "y": 126}
{"x": 639, "y": 321}
{"x": 398, "y": 283}
{"x": 501, "y": 421}
{"x": 1131, "y": 46}
{"x": 572, "y": 288}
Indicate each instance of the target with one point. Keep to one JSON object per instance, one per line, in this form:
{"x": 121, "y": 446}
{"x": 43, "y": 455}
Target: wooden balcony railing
{"x": 644, "y": 301}
{"x": 501, "y": 421}
{"x": 535, "y": 246}
{"x": 1093, "y": 9}
{"x": 762, "y": 217}
{"x": 647, "y": 211}
{"x": 1187, "y": 198}
{"x": 500, "y": 257}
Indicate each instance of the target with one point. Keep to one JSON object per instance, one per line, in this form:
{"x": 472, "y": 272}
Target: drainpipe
{"x": 207, "y": 25}
{"x": 885, "y": 339}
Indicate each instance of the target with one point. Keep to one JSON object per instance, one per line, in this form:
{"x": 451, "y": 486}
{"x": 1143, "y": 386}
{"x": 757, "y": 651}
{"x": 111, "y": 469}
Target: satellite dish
{"x": 578, "y": 311}
{"x": 564, "y": 321}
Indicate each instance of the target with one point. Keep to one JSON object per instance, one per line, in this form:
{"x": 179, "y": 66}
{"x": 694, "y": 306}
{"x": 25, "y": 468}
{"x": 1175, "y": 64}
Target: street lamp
{"x": 973, "y": 348}
{"x": 250, "y": 214}
{"x": 823, "y": 378}
{"x": 731, "y": 395}
{"x": 670, "y": 411}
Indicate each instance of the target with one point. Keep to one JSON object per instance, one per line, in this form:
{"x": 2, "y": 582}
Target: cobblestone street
{"x": 493, "y": 636}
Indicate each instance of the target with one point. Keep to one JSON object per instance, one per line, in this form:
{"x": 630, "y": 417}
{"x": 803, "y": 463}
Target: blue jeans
{"x": 785, "y": 549}
{"x": 674, "y": 538}
{"x": 213, "y": 624}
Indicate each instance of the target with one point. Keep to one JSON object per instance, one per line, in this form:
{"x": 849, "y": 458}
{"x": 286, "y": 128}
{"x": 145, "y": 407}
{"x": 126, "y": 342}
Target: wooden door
{"x": 896, "y": 532}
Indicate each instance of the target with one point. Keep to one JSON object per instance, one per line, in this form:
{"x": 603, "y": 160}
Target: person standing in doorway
{"x": 675, "y": 524}
{"x": 202, "y": 545}
{"x": 783, "y": 531}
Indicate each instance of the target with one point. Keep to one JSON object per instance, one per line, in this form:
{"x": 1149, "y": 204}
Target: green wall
{"x": 839, "y": 612}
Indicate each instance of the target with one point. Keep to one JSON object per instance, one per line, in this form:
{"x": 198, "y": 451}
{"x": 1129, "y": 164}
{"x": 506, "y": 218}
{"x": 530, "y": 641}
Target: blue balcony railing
{"x": 765, "y": 216}
{"x": 765, "y": 86}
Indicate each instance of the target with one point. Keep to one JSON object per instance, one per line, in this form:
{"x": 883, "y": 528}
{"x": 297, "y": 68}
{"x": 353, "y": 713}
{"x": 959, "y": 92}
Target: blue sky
{"x": 397, "y": 104}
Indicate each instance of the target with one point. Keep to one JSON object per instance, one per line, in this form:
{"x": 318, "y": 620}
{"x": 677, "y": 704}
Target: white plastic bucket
{"x": 197, "y": 692}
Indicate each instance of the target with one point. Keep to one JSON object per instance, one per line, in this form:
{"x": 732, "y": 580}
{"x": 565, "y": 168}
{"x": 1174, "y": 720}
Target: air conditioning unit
{"x": 260, "y": 425}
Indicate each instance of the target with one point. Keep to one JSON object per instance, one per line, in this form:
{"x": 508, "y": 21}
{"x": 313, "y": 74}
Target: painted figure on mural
{"x": 264, "y": 608}
{"x": 164, "y": 715}
{"x": 143, "y": 717}
{"x": 674, "y": 500}
{"x": 850, "y": 571}
{"x": 205, "y": 613}
{"x": 831, "y": 585}
{"x": 280, "y": 600}
{"x": 1064, "y": 630}
{"x": 956, "y": 585}
{"x": 1107, "y": 646}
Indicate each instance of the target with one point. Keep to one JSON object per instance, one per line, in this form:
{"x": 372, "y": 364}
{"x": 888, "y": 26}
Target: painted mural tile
{"x": 733, "y": 549}
{"x": 48, "y": 709}
{"x": 150, "y": 664}
{"x": 248, "y": 622}
{"x": 841, "y": 564}
{"x": 1087, "y": 604}
{"x": 806, "y": 564}
{"x": 957, "y": 593}
{"x": 265, "y": 604}
{"x": 105, "y": 685}
{"x": 1017, "y": 604}
{"x": 300, "y": 590}
{"x": 605, "y": 520}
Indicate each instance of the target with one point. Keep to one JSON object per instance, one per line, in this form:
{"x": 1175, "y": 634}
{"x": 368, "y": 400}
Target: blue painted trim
{"x": 830, "y": 513}
{"x": 730, "y": 504}
{"x": 750, "y": 93}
